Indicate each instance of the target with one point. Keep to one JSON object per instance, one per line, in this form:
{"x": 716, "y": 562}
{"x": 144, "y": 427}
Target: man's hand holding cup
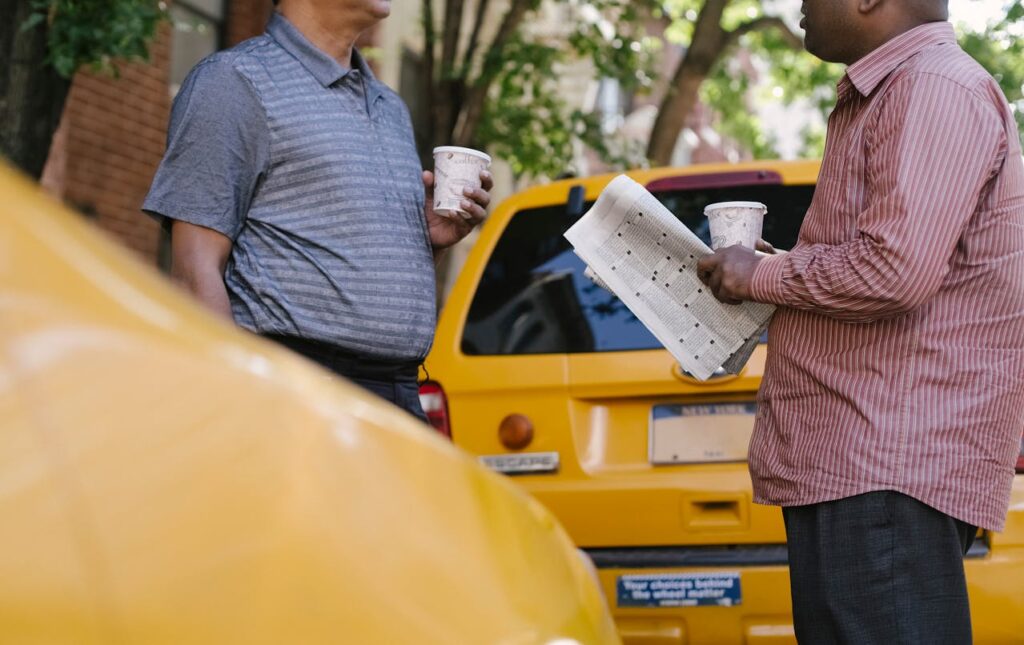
{"x": 458, "y": 194}
{"x": 735, "y": 237}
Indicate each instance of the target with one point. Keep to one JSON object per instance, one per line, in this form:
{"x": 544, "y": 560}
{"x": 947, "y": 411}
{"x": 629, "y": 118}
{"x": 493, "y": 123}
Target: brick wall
{"x": 109, "y": 143}
{"x": 113, "y": 132}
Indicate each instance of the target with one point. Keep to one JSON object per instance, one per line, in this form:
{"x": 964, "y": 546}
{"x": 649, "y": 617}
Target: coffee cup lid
{"x": 468, "y": 151}
{"x": 719, "y": 205}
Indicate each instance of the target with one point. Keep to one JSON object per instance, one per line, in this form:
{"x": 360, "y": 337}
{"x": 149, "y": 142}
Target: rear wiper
{"x": 574, "y": 204}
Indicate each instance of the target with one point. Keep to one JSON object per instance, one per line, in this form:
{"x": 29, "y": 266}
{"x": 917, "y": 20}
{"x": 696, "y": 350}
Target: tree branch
{"x": 474, "y": 39}
{"x": 473, "y": 108}
{"x": 32, "y": 95}
{"x": 513, "y": 18}
{"x": 450, "y": 38}
{"x": 706, "y": 46}
{"x": 764, "y": 23}
{"x": 660, "y": 18}
{"x": 447, "y": 104}
{"x": 429, "y": 39}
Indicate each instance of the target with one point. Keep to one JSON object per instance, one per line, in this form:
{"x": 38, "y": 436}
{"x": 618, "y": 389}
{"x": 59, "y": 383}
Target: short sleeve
{"x": 217, "y": 150}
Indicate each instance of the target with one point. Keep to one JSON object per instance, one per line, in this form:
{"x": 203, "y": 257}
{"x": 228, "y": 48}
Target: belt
{"x": 346, "y": 363}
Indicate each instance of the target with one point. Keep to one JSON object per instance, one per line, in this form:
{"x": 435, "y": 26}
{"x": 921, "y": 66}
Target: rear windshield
{"x": 534, "y": 299}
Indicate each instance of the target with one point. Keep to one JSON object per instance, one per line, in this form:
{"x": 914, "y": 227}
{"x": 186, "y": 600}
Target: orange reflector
{"x": 515, "y": 432}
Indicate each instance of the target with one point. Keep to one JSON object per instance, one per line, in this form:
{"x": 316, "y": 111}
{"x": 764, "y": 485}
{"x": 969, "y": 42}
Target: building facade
{"x": 113, "y": 131}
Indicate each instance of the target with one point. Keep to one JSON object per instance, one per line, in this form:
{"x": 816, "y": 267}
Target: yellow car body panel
{"x": 168, "y": 478}
{"x": 593, "y": 409}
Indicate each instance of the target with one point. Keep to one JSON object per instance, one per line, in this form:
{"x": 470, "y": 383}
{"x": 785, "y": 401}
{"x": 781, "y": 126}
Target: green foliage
{"x": 790, "y": 74}
{"x": 682, "y": 14}
{"x": 728, "y": 93}
{"x": 740, "y": 11}
{"x": 613, "y": 39}
{"x": 95, "y": 32}
{"x": 1000, "y": 50}
{"x": 800, "y": 76}
{"x": 527, "y": 121}
{"x": 813, "y": 142}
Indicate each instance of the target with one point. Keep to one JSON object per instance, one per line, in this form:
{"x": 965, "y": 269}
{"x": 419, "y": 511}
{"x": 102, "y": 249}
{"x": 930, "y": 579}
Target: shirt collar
{"x": 324, "y": 69}
{"x": 867, "y": 73}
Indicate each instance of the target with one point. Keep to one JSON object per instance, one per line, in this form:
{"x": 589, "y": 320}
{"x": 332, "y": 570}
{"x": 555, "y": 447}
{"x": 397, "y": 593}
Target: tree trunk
{"x": 447, "y": 107}
{"x": 708, "y": 43}
{"x": 32, "y": 93}
{"x": 472, "y": 107}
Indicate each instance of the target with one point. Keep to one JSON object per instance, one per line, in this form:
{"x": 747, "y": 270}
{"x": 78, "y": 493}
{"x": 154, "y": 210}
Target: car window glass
{"x": 534, "y": 299}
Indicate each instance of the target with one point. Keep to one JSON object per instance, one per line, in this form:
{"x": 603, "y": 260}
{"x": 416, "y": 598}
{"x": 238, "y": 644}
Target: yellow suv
{"x": 549, "y": 378}
{"x": 166, "y": 478}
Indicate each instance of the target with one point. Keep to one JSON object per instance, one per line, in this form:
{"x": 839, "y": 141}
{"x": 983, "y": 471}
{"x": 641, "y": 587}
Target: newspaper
{"x": 637, "y": 249}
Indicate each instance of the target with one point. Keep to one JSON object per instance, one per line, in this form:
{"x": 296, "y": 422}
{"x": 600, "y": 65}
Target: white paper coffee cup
{"x": 735, "y": 223}
{"x": 456, "y": 169}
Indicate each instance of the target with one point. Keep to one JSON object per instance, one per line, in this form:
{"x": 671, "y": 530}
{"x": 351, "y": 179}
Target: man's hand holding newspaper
{"x": 639, "y": 250}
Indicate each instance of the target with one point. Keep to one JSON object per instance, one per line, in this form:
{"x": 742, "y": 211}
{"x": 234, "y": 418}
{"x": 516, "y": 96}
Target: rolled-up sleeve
{"x": 934, "y": 148}
{"x": 217, "y": 150}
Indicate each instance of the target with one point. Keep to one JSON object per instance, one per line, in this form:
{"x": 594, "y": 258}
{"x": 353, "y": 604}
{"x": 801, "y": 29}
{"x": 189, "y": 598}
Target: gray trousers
{"x": 878, "y": 568}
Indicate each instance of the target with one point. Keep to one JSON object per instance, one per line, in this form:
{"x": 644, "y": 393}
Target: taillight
{"x": 435, "y": 405}
{"x": 1020, "y": 458}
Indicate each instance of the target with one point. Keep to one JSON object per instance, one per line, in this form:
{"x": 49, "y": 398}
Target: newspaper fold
{"x": 637, "y": 249}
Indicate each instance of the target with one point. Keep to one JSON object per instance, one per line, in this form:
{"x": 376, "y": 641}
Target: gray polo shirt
{"x": 311, "y": 169}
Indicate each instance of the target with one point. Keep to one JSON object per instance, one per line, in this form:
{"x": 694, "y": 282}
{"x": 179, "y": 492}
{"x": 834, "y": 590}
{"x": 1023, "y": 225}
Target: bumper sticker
{"x": 679, "y": 589}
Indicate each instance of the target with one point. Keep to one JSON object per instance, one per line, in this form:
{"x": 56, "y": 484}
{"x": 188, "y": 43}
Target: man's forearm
{"x": 207, "y": 287}
{"x": 198, "y": 258}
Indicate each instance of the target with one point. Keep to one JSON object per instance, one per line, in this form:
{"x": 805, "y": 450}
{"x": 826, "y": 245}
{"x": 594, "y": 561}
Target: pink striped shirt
{"x": 896, "y": 359}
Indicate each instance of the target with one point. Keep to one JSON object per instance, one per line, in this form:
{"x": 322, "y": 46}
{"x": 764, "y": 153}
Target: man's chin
{"x": 811, "y": 45}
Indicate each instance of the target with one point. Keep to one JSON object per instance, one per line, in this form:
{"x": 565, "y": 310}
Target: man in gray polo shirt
{"x": 297, "y": 201}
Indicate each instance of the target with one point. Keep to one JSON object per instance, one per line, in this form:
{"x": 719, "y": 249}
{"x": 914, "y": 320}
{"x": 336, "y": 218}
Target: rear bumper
{"x": 764, "y": 614}
{"x": 746, "y": 555}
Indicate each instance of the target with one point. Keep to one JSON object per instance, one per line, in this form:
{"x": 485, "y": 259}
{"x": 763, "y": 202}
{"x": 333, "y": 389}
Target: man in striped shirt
{"x": 892, "y": 405}
{"x": 298, "y": 201}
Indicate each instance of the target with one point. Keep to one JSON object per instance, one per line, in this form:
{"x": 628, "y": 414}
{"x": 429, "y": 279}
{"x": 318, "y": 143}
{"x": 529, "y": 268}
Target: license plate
{"x": 686, "y": 434}
{"x": 720, "y": 589}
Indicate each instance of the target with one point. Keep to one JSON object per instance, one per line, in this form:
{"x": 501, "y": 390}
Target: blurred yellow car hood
{"x": 167, "y": 478}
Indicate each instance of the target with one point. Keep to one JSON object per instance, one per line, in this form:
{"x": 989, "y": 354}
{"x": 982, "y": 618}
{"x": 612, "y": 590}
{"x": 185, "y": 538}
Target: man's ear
{"x": 867, "y": 6}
